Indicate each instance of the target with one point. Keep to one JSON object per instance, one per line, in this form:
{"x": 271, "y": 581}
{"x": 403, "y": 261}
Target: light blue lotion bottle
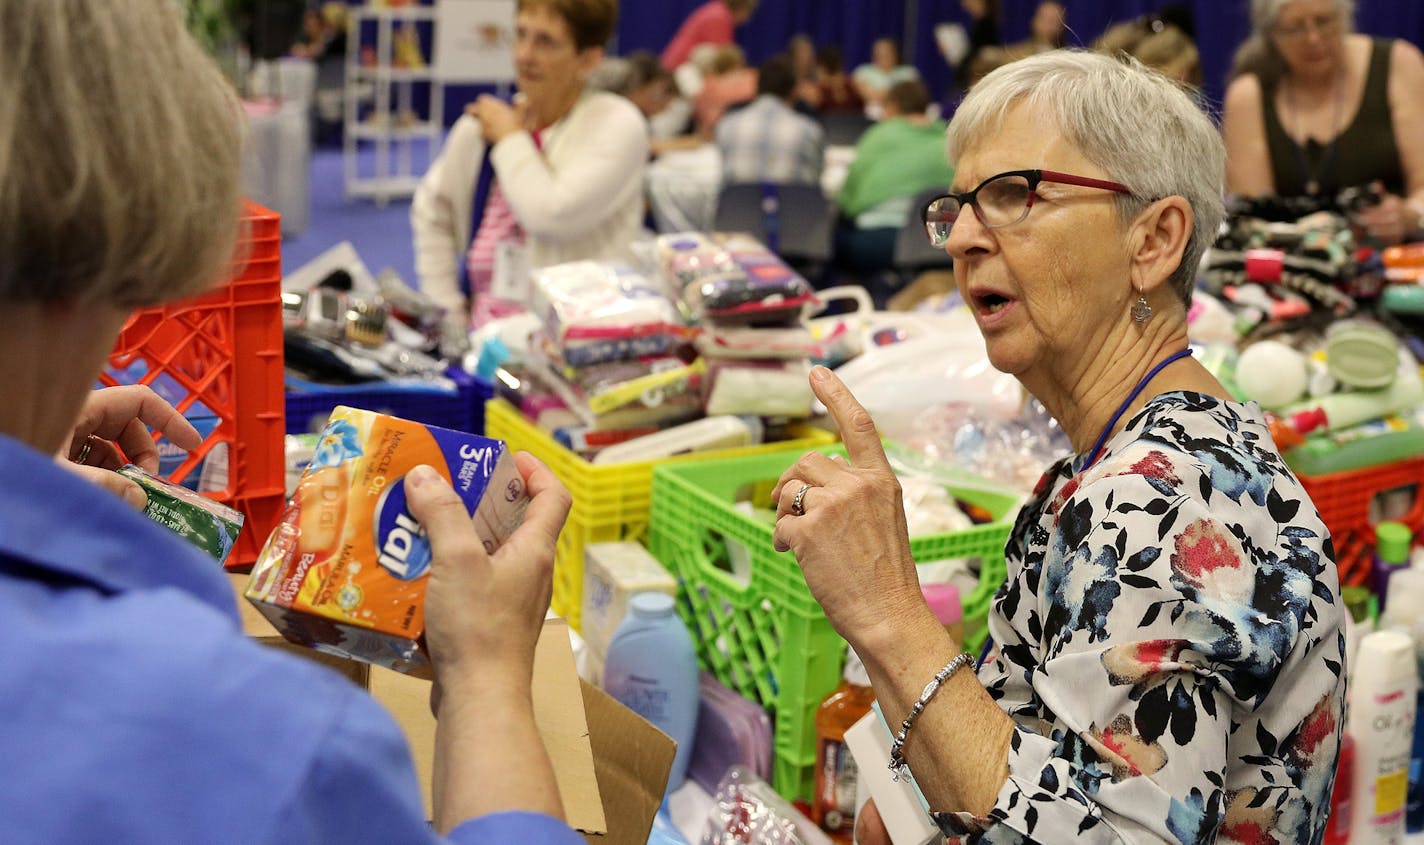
{"x": 652, "y": 669}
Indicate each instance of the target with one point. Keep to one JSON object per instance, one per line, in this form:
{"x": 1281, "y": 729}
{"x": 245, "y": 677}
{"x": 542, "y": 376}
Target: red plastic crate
{"x": 223, "y": 351}
{"x": 1344, "y": 498}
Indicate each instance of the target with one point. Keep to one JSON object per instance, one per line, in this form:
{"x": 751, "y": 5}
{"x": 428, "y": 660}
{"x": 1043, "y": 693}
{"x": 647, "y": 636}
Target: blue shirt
{"x": 132, "y": 708}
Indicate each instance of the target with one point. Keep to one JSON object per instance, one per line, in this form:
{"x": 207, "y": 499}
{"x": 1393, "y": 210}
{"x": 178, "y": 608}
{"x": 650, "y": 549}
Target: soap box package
{"x": 612, "y": 573}
{"x": 345, "y": 570}
{"x": 209, "y": 525}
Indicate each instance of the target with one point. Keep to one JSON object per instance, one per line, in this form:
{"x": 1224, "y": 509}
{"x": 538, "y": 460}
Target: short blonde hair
{"x": 119, "y": 154}
{"x": 1142, "y": 129}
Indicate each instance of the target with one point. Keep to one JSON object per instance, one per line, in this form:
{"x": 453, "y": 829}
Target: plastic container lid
{"x": 1361, "y": 354}
{"x": 944, "y": 602}
{"x": 1385, "y": 659}
{"x": 1392, "y": 541}
{"x": 651, "y": 604}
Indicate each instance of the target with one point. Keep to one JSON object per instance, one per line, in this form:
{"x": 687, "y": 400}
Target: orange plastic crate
{"x": 1344, "y": 498}
{"x": 223, "y": 351}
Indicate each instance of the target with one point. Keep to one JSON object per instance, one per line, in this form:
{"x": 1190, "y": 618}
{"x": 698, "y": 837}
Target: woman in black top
{"x": 1315, "y": 108}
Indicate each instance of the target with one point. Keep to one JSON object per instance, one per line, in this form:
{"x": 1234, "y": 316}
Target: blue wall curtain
{"x": 853, "y": 24}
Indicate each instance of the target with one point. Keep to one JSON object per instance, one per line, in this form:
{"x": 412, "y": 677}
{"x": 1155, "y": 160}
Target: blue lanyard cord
{"x": 1122, "y": 409}
{"x": 984, "y": 653}
{"x": 1097, "y": 447}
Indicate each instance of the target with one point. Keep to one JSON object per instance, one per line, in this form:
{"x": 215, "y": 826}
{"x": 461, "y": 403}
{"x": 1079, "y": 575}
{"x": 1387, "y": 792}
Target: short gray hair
{"x": 119, "y": 154}
{"x": 1258, "y": 53}
{"x": 1140, "y": 127}
{"x": 1265, "y": 12}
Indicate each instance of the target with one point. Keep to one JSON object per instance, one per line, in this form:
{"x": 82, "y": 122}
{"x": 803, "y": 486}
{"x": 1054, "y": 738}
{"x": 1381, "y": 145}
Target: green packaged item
{"x": 209, "y": 525}
{"x": 1360, "y": 446}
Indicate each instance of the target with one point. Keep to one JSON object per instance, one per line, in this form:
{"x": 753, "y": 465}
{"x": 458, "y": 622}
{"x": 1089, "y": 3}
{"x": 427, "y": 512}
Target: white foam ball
{"x": 1272, "y": 373}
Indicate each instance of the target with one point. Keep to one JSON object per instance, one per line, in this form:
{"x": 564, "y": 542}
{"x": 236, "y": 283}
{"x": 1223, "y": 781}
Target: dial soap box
{"x": 345, "y": 570}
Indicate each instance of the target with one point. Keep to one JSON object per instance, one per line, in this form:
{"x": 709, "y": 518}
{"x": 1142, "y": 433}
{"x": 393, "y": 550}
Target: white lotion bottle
{"x": 1382, "y": 701}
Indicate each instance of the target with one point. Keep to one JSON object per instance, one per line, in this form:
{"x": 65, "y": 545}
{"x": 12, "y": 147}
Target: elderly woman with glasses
{"x": 1169, "y": 647}
{"x": 1315, "y": 108}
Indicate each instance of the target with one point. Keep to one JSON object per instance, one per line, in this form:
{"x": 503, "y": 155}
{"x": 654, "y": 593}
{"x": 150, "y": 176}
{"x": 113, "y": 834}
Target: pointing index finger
{"x": 857, "y": 429}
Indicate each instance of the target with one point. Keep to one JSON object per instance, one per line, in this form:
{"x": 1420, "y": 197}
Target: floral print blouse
{"x": 1170, "y": 643}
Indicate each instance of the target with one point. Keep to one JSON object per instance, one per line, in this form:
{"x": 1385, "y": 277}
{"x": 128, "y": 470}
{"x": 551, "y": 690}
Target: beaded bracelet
{"x": 898, "y": 765}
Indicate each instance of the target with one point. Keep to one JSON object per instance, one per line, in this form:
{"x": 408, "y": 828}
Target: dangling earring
{"x": 1141, "y": 311}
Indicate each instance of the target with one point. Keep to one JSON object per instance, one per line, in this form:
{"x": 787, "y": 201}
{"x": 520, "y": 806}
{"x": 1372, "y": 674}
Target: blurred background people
{"x": 556, "y": 176}
{"x": 801, "y": 50}
{"x": 1161, "y": 41}
{"x": 1173, "y": 53}
{"x": 984, "y": 32}
{"x": 728, "y": 82}
{"x": 897, "y": 158}
{"x": 714, "y": 22}
{"x": 1316, "y": 108}
{"x": 835, "y": 91}
{"x": 642, "y": 79}
{"x": 873, "y": 79}
{"x": 1046, "y": 30}
{"x": 767, "y": 140}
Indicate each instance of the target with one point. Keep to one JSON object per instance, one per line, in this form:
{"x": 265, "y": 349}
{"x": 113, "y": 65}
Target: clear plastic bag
{"x": 747, "y": 811}
{"x": 960, "y": 443}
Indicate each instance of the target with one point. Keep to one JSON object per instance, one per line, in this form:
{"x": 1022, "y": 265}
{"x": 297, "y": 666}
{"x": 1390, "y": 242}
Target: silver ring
{"x": 84, "y": 450}
{"x": 797, "y": 507}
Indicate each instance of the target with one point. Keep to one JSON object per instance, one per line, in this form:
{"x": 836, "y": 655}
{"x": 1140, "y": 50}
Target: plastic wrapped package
{"x": 764, "y": 388}
{"x": 747, "y": 811}
{"x": 689, "y": 260}
{"x": 731, "y": 277}
{"x": 741, "y": 342}
{"x": 598, "y": 311}
{"x": 649, "y": 391}
{"x": 898, "y": 381}
{"x": 770, "y": 287}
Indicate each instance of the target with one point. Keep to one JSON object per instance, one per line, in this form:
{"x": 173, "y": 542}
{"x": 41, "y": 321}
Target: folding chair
{"x": 913, "y": 252}
{"x": 843, "y": 129}
{"x": 794, "y": 221}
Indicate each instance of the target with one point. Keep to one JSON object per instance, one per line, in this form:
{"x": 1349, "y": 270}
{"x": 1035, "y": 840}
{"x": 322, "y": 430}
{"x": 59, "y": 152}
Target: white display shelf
{"x": 386, "y": 91}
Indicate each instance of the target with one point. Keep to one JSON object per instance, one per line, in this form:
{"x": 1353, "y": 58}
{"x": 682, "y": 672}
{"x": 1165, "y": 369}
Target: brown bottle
{"x": 833, "y": 803}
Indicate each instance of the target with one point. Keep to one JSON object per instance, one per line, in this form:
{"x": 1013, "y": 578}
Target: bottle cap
{"x": 1307, "y": 421}
{"x": 1385, "y": 660}
{"x": 1265, "y": 265}
{"x": 651, "y": 604}
{"x": 1357, "y": 602}
{"x": 944, "y": 602}
{"x": 1392, "y": 541}
{"x": 1405, "y": 608}
{"x": 855, "y": 670}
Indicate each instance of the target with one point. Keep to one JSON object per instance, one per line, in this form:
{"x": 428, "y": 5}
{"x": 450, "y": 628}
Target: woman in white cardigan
{"x": 563, "y": 166}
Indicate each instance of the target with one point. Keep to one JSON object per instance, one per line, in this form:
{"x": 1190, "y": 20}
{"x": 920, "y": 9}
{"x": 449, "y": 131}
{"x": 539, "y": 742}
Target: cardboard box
{"x": 611, "y": 765}
{"x": 344, "y": 572}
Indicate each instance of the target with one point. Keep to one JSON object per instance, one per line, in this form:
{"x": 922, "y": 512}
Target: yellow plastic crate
{"x": 610, "y": 503}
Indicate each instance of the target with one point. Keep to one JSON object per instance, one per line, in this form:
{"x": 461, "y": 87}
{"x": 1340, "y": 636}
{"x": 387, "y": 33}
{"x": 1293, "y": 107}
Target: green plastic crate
{"x": 759, "y": 630}
{"x": 611, "y": 502}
